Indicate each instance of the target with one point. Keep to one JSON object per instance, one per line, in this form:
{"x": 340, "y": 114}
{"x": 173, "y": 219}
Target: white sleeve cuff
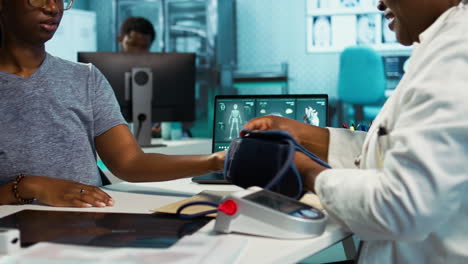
{"x": 345, "y": 145}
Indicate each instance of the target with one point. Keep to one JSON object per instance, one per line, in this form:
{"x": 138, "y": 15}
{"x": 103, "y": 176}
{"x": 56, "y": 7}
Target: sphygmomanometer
{"x": 261, "y": 212}
{"x": 266, "y": 159}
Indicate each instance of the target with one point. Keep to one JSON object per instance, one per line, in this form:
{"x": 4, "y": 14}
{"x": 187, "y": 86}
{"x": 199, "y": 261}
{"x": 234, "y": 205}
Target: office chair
{"x": 361, "y": 83}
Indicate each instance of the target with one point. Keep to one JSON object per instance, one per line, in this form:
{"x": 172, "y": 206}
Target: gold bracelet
{"x": 16, "y": 183}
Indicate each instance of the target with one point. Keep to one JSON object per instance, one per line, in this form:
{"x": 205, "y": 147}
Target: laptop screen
{"x": 232, "y": 112}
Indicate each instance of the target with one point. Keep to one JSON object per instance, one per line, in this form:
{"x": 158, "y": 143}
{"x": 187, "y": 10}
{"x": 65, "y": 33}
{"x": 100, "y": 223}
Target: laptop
{"x": 231, "y": 113}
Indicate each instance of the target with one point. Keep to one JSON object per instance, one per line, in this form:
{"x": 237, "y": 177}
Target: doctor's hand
{"x": 313, "y": 138}
{"x": 308, "y": 169}
{"x": 65, "y": 193}
{"x": 272, "y": 122}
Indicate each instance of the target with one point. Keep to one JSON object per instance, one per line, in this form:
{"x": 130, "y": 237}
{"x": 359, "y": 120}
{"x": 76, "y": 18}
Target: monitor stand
{"x": 142, "y": 95}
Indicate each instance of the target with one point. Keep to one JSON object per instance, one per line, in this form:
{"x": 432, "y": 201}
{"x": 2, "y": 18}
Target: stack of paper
{"x": 189, "y": 250}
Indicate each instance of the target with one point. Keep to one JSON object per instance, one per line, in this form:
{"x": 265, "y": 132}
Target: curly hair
{"x": 137, "y": 24}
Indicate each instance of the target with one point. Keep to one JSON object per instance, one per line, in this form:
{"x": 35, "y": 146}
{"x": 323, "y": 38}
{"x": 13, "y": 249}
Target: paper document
{"x": 313, "y": 200}
{"x": 189, "y": 250}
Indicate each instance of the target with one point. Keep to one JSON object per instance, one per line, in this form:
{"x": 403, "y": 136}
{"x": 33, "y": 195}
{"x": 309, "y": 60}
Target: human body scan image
{"x": 231, "y": 117}
{"x": 278, "y": 107}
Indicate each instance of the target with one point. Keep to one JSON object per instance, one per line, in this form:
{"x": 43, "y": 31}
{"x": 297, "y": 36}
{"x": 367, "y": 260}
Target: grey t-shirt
{"x": 49, "y": 120}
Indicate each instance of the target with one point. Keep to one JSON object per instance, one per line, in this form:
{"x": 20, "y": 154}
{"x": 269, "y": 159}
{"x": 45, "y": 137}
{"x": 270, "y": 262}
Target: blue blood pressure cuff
{"x": 266, "y": 159}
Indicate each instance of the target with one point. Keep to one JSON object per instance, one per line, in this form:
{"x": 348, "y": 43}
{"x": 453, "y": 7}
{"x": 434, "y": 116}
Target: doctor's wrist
{"x": 310, "y": 176}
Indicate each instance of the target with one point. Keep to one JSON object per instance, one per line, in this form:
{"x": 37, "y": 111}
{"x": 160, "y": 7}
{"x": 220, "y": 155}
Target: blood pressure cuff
{"x": 266, "y": 159}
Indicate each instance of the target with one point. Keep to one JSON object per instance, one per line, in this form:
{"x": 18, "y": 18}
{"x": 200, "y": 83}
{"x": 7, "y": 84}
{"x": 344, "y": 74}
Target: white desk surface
{"x": 142, "y": 197}
{"x": 187, "y": 146}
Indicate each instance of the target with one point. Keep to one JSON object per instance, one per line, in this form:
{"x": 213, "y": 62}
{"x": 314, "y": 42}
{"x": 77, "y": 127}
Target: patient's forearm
{"x": 160, "y": 167}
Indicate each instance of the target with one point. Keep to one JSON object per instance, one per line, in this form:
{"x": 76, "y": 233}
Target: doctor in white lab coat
{"x": 403, "y": 186}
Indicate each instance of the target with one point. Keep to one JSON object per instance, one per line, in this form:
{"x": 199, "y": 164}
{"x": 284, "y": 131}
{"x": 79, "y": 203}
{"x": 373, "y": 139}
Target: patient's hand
{"x": 65, "y": 193}
{"x": 218, "y": 160}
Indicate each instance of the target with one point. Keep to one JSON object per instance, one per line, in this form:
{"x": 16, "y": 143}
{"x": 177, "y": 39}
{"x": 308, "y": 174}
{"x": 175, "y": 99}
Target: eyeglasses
{"x": 62, "y": 4}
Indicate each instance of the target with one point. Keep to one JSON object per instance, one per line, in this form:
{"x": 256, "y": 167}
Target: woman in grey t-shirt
{"x": 56, "y": 115}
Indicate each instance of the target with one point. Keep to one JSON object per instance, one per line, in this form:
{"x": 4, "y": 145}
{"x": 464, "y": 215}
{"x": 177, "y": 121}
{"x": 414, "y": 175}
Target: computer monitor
{"x": 232, "y": 112}
{"x": 171, "y": 96}
{"x": 395, "y": 68}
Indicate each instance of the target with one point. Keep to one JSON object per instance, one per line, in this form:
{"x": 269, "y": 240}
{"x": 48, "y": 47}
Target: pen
{"x": 361, "y": 127}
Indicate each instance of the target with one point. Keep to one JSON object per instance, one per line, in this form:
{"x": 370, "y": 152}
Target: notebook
{"x": 232, "y": 112}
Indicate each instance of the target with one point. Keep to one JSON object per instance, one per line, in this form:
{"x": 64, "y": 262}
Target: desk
{"x": 154, "y": 195}
{"x": 186, "y": 146}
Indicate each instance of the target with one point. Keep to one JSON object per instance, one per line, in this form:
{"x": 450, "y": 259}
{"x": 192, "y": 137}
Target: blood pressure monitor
{"x": 261, "y": 212}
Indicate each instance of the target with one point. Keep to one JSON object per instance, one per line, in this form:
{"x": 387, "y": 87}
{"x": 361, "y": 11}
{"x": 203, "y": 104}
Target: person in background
{"x": 57, "y": 114}
{"x": 402, "y": 186}
{"x": 136, "y": 35}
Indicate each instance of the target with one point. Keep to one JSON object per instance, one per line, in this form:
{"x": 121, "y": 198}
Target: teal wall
{"x": 268, "y": 33}
{"x": 81, "y": 4}
{"x": 105, "y": 27}
{"x": 104, "y": 23}
{"x": 271, "y": 32}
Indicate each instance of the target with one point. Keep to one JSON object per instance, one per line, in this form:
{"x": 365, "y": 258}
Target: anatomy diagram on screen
{"x": 311, "y": 116}
{"x": 235, "y": 121}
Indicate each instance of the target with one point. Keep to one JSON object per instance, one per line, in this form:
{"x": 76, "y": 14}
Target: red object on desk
{"x": 229, "y": 207}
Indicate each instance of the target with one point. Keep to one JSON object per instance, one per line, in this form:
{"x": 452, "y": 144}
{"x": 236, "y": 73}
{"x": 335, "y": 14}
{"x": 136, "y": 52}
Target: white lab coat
{"x": 409, "y": 199}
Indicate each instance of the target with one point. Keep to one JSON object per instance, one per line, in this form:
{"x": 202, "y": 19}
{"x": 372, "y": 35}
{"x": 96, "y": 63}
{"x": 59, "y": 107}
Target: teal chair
{"x": 361, "y": 84}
